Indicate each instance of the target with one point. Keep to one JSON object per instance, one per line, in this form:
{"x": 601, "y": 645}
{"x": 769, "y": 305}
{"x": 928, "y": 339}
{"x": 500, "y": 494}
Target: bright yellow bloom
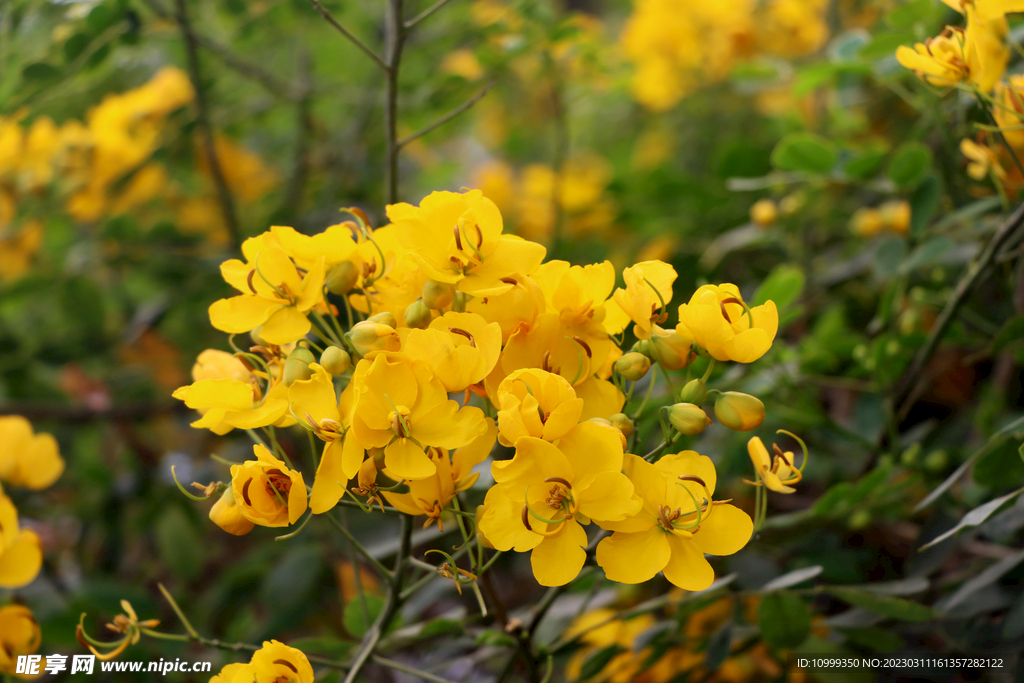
{"x": 536, "y": 403}
{"x": 315, "y": 402}
{"x": 678, "y": 524}
{"x": 18, "y": 247}
{"x": 545, "y": 493}
{"x": 977, "y": 54}
{"x": 982, "y": 160}
{"x": 21, "y": 553}
{"x": 275, "y": 662}
{"x": 29, "y": 460}
{"x": 230, "y": 403}
{"x": 273, "y": 294}
{"x": 236, "y": 672}
{"x": 776, "y": 474}
{"x": 459, "y": 348}
{"x": 1008, "y": 112}
{"x": 454, "y": 473}
{"x": 400, "y": 407}
{"x": 457, "y": 238}
{"x": 987, "y": 9}
{"x": 515, "y": 310}
{"x": 647, "y": 294}
{"x": 19, "y": 635}
{"x": 227, "y": 514}
{"x": 601, "y": 629}
{"x": 717, "y": 319}
{"x": 268, "y": 493}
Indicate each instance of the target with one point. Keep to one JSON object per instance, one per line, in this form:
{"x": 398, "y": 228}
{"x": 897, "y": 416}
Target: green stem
{"x": 384, "y": 571}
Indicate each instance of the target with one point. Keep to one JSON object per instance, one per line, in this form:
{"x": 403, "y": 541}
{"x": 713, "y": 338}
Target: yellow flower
{"x": 236, "y": 672}
{"x": 29, "y": 460}
{"x": 454, "y": 473}
{"x": 1008, "y": 111}
{"x": 866, "y": 221}
{"x": 402, "y": 408}
{"x": 17, "y": 249}
{"x": 459, "y": 348}
{"x": 226, "y": 514}
{"x": 226, "y": 404}
{"x": 19, "y": 635}
{"x": 987, "y": 9}
{"x": 601, "y": 630}
{"x": 982, "y": 160}
{"x": 21, "y": 553}
{"x": 941, "y": 61}
{"x": 268, "y": 493}
{"x": 977, "y": 54}
{"x": 273, "y": 294}
{"x": 647, "y": 294}
{"x": 127, "y": 623}
{"x": 457, "y": 238}
{"x": 717, "y": 319}
{"x": 315, "y": 402}
{"x": 536, "y": 403}
{"x": 275, "y": 662}
{"x": 545, "y": 493}
{"x": 776, "y": 474}
{"x": 678, "y": 524}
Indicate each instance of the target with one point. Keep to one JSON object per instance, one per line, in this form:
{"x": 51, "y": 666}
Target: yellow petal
{"x": 690, "y": 463}
{"x": 725, "y": 531}
{"x": 589, "y": 452}
{"x": 329, "y": 484}
{"x": 285, "y": 325}
{"x": 407, "y": 460}
{"x": 502, "y": 523}
{"x": 21, "y": 561}
{"x": 559, "y": 558}
{"x": 687, "y": 567}
{"x": 228, "y": 394}
{"x": 608, "y": 497}
{"x": 634, "y": 557}
{"x": 315, "y": 396}
{"x": 241, "y": 313}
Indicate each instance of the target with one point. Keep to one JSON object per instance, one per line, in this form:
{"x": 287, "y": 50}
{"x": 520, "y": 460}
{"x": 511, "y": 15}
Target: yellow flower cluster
{"x": 676, "y": 45}
{"x": 275, "y": 662}
{"x": 440, "y": 303}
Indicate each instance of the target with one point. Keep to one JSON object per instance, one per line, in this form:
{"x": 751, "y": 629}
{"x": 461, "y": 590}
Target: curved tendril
{"x": 579, "y": 354}
{"x": 256, "y": 265}
{"x": 358, "y": 502}
{"x": 462, "y": 229}
{"x": 296, "y": 532}
{"x": 803, "y": 446}
{"x": 526, "y": 504}
{"x": 697, "y": 508}
{"x": 383, "y": 262}
{"x": 661, "y": 299}
{"x": 300, "y": 420}
{"x": 182, "y": 488}
{"x": 231, "y": 343}
{"x": 746, "y": 309}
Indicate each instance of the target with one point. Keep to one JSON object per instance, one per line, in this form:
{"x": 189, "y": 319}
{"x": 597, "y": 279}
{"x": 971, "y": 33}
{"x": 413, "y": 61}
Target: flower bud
{"x": 764, "y": 213}
{"x": 335, "y": 360}
{"x": 367, "y": 336}
{"x": 342, "y": 278}
{"x": 633, "y": 366}
{"x": 739, "y": 412}
{"x": 254, "y": 334}
{"x": 643, "y": 347}
{"x": 377, "y": 455}
{"x": 226, "y": 514}
{"x": 437, "y": 295}
{"x": 385, "y": 318}
{"x": 417, "y": 314}
{"x": 688, "y": 419}
{"x": 297, "y": 365}
{"x": 622, "y": 422}
{"x": 693, "y": 392}
{"x": 608, "y": 425}
{"x": 670, "y": 349}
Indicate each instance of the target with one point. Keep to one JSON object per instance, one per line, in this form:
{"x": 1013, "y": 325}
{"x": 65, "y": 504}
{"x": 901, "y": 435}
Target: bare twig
{"x": 425, "y": 13}
{"x": 348, "y": 34}
{"x": 227, "y": 203}
{"x": 447, "y": 117}
{"x": 395, "y": 31}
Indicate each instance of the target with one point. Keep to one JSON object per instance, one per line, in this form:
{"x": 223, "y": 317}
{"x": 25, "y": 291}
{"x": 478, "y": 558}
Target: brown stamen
{"x": 585, "y": 345}
{"x": 479, "y": 236}
{"x": 526, "y": 517}
{"x": 692, "y": 477}
{"x": 458, "y": 238}
{"x": 248, "y": 281}
{"x": 245, "y": 491}
{"x": 467, "y": 335}
{"x": 559, "y": 480}
{"x": 509, "y": 281}
{"x": 285, "y": 662}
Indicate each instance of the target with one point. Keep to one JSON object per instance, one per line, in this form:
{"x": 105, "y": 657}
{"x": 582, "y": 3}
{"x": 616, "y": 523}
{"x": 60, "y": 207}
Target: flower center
{"x": 399, "y": 418}
{"x": 278, "y": 482}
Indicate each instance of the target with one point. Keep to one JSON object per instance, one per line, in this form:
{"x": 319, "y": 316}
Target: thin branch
{"x": 395, "y": 31}
{"x": 447, "y": 117}
{"x": 348, "y": 34}
{"x": 227, "y": 203}
{"x": 425, "y": 13}
{"x": 908, "y": 387}
{"x": 362, "y": 551}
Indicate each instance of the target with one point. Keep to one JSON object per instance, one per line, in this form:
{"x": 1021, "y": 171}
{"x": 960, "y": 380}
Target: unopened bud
{"x": 367, "y": 336}
{"x": 633, "y": 366}
{"x": 417, "y": 314}
{"x": 608, "y": 425}
{"x": 342, "y": 278}
{"x": 693, "y": 392}
{"x": 297, "y": 366}
{"x": 385, "y": 318}
{"x": 622, "y": 422}
{"x": 688, "y": 419}
{"x": 643, "y": 347}
{"x": 764, "y": 213}
{"x": 335, "y": 360}
{"x": 739, "y": 412}
{"x": 670, "y": 349}
{"x": 256, "y": 338}
{"x": 437, "y": 295}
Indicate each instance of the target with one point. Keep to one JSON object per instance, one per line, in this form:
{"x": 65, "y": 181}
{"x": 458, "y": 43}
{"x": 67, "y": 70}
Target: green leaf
{"x": 793, "y": 578}
{"x": 179, "y": 543}
{"x": 328, "y": 647}
{"x": 911, "y": 14}
{"x": 894, "y": 608}
{"x": 909, "y": 165}
{"x": 783, "y": 285}
{"x": 805, "y": 152}
{"x": 74, "y": 46}
{"x": 975, "y": 517}
{"x": 1012, "y": 331}
{"x": 40, "y": 71}
{"x": 441, "y": 627}
{"x": 865, "y": 165}
{"x": 875, "y": 639}
{"x": 490, "y": 636}
{"x": 784, "y": 619}
{"x": 924, "y": 204}
{"x": 928, "y": 253}
{"x": 883, "y": 45}
{"x": 596, "y": 663}
{"x": 354, "y": 619}
{"x": 832, "y": 500}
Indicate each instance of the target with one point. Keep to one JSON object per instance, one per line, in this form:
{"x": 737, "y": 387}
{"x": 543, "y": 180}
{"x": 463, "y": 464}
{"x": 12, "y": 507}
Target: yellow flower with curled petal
{"x": 1009, "y": 111}
{"x": 226, "y": 514}
{"x": 941, "y": 61}
{"x": 515, "y": 310}
{"x": 717, "y": 319}
{"x": 580, "y": 294}
{"x": 21, "y": 552}
{"x": 401, "y": 407}
{"x": 314, "y": 401}
{"x": 19, "y": 635}
{"x": 536, "y": 403}
{"x": 459, "y": 348}
{"x": 273, "y": 293}
{"x": 678, "y": 524}
{"x": 977, "y": 54}
{"x": 267, "y": 491}
{"x": 236, "y": 672}
{"x": 454, "y": 473}
{"x": 776, "y": 473}
{"x": 647, "y": 294}
{"x": 275, "y": 662}
{"x": 227, "y": 404}
{"x": 27, "y": 459}
{"x": 457, "y": 238}
{"x": 335, "y": 244}
{"x": 546, "y": 493}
